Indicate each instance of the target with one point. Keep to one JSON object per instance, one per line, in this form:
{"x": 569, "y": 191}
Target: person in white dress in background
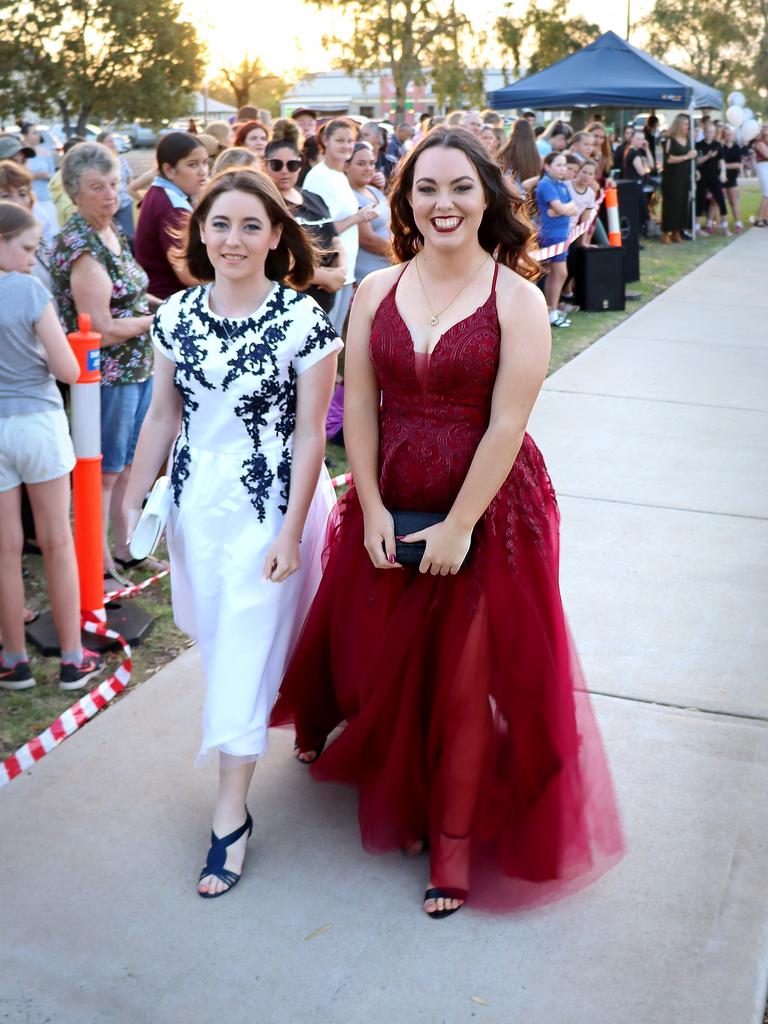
{"x": 244, "y": 374}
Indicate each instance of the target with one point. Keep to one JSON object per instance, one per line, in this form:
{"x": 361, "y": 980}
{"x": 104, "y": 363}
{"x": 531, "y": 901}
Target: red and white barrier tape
{"x": 560, "y": 247}
{"x": 133, "y": 590}
{"x": 80, "y": 712}
{"x": 86, "y": 707}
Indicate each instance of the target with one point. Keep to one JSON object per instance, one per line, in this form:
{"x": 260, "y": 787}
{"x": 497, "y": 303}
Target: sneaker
{"x": 17, "y": 678}
{"x": 75, "y": 677}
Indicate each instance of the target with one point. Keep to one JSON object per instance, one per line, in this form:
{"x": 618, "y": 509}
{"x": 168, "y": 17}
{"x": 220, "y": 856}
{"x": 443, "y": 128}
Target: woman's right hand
{"x": 366, "y": 214}
{"x": 380, "y": 538}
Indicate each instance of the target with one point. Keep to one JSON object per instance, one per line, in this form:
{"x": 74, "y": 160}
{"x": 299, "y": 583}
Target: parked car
{"x": 122, "y": 141}
{"x": 141, "y": 135}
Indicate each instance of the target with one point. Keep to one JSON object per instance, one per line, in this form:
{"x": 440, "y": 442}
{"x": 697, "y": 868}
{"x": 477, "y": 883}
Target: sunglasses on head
{"x": 278, "y": 165}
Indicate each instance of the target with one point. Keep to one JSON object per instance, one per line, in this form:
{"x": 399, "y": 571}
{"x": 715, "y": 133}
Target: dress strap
{"x": 495, "y": 275}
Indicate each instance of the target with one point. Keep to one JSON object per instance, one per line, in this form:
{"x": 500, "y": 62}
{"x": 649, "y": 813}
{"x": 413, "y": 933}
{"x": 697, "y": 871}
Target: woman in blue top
{"x": 556, "y": 207}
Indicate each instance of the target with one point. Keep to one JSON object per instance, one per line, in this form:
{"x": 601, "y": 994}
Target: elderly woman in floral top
{"x": 94, "y": 272}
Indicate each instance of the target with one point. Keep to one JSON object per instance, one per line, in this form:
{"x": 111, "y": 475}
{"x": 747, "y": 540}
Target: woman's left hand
{"x": 132, "y": 517}
{"x": 378, "y": 180}
{"x": 447, "y": 547}
{"x": 282, "y": 560}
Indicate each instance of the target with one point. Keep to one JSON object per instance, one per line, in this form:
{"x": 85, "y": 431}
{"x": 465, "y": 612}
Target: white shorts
{"x": 762, "y": 174}
{"x": 34, "y": 447}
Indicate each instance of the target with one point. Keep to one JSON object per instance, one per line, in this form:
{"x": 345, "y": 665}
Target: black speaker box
{"x": 630, "y": 198}
{"x": 598, "y": 278}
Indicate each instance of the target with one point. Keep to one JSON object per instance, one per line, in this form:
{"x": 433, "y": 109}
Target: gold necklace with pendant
{"x": 434, "y": 318}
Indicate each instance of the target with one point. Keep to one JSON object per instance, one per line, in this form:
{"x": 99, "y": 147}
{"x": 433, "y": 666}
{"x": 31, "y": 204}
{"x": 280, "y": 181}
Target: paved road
{"x": 655, "y": 437}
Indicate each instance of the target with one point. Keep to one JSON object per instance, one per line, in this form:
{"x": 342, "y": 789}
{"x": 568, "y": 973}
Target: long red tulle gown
{"x": 467, "y": 718}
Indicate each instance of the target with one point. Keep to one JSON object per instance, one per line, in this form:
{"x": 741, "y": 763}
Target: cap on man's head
{"x": 11, "y": 147}
{"x": 303, "y": 112}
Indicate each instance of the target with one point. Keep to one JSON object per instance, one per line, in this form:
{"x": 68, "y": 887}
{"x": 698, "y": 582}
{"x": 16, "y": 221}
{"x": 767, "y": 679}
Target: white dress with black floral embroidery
{"x": 231, "y": 475}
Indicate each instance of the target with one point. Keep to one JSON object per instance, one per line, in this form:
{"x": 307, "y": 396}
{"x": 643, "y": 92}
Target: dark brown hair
{"x": 505, "y": 230}
{"x": 294, "y": 260}
{"x": 14, "y": 219}
{"x": 245, "y": 130}
{"x": 174, "y": 147}
{"x": 331, "y": 127}
{"x": 519, "y": 155}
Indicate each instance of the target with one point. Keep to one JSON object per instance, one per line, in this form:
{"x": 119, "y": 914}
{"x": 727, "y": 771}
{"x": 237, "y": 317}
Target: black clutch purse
{"x": 414, "y": 522}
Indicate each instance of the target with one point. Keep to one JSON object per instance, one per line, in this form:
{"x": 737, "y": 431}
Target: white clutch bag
{"x": 154, "y": 518}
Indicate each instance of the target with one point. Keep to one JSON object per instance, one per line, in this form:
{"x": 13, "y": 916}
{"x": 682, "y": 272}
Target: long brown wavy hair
{"x": 505, "y": 230}
{"x": 520, "y": 155}
{"x": 293, "y": 261}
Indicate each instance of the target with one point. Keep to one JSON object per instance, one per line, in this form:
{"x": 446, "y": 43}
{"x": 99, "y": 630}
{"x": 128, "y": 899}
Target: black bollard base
{"x": 125, "y": 617}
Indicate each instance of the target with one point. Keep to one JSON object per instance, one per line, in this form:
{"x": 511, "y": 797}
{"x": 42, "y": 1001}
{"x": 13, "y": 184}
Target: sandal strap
{"x": 217, "y": 854}
{"x": 445, "y": 894}
{"x": 228, "y": 877}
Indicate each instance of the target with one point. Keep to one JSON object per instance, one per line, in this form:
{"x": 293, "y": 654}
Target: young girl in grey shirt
{"x": 35, "y": 450}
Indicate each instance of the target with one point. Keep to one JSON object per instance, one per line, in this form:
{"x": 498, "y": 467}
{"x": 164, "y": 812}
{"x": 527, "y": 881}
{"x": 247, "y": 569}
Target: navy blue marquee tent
{"x": 608, "y": 73}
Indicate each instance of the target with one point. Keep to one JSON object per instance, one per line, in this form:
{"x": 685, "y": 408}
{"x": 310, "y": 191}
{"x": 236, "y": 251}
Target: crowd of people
{"x": 222, "y": 306}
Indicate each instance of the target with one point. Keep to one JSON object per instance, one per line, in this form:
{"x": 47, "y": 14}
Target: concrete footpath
{"x": 656, "y": 442}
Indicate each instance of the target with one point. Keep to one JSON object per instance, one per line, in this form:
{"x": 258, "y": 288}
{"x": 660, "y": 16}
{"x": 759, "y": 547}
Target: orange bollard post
{"x": 86, "y": 439}
{"x": 612, "y": 211}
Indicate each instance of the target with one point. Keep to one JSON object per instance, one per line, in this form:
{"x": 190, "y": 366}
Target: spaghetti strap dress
{"x": 465, "y": 717}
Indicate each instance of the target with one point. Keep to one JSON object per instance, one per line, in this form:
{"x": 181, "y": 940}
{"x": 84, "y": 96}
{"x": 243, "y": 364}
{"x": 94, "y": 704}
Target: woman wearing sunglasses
{"x": 282, "y": 165}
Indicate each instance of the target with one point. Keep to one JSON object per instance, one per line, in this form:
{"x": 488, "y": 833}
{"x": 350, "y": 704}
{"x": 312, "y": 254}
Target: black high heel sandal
{"x": 217, "y": 856}
{"x": 444, "y": 894}
{"x": 317, "y": 751}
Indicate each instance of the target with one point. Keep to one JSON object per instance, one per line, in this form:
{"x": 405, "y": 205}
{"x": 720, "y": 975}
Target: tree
{"x": 250, "y": 83}
{"x": 454, "y": 83}
{"x": 100, "y": 58}
{"x": 543, "y": 35}
{"x": 713, "y": 40}
{"x": 402, "y": 35}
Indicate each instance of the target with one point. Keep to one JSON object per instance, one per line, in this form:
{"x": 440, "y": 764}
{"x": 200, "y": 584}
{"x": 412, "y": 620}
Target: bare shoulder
{"x": 374, "y": 287}
{"x": 512, "y": 287}
{"x": 519, "y": 299}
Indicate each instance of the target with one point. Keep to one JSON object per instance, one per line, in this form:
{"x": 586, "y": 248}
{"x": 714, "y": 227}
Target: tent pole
{"x": 692, "y": 140}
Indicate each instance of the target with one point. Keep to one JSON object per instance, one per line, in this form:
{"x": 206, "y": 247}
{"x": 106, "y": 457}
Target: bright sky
{"x": 296, "y": 39}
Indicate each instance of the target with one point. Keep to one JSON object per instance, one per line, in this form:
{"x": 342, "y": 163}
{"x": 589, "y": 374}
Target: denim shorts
{"x": 123, "y": 408}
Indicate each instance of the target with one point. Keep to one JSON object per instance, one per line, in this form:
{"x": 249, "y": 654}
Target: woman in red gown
{"x": 468, "y": 727}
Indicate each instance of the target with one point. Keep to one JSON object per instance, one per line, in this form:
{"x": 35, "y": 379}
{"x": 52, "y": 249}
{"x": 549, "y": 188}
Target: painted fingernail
{"x": 392, "y": 559}
{"x": 399, "y": 538}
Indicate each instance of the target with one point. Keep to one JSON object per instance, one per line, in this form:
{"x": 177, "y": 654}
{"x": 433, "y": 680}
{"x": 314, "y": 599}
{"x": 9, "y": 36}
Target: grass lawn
{"x": 25, "y": 714}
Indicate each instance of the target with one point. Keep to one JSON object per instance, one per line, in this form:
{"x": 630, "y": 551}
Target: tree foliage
{"x": 721, "y": 42}
{"x": 405, "y": 36}
{"x": 93, "y": 58}
{"x": 455, "y": 83}
{"x": 542, "y": 36}
{"x": 250, "y": 83}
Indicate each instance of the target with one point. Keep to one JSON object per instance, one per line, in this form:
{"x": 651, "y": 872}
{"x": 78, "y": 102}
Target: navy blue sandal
{"x": 217, "y": 856}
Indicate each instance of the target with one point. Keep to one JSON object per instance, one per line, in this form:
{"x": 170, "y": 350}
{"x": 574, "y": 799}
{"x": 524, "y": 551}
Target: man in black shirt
{"x": 711, "y": 178}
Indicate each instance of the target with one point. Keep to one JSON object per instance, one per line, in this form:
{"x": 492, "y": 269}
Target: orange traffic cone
{"x": 612, "y": 209}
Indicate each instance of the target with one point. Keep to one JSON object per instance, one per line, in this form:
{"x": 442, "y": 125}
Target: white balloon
{"x": 735, "y": 116}
{"x": 748, "y": 113}
{"x": 749, "y": 131}
{"x": 737, "y": 99}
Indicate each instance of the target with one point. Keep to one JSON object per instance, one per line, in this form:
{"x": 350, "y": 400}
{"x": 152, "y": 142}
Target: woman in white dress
{"x": 245, "y": 368}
